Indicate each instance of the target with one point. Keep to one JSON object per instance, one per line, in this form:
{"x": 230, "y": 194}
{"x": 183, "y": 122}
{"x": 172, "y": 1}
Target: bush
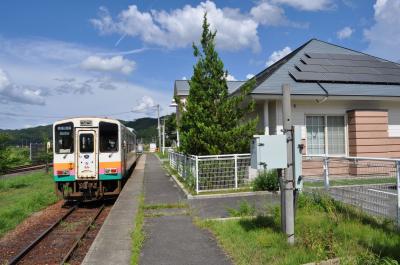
{"x": 266, "y": 180}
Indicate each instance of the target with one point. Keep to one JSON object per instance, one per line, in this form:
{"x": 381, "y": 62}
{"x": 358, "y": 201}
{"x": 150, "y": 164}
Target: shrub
{"x": 266, "y": 180}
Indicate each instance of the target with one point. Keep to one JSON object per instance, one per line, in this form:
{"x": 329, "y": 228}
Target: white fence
{"x": 371, "y": 184}
{"x": 214, "y": 172}
{"x": 382, "y": 198}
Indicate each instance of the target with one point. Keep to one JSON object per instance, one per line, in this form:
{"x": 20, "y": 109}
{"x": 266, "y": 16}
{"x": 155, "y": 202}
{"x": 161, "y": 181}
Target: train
{"x": 93, "y": 157}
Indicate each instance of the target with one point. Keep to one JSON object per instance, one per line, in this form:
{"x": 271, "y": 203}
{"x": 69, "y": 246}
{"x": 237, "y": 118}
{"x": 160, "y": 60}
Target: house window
{"x": 325, "y": 135}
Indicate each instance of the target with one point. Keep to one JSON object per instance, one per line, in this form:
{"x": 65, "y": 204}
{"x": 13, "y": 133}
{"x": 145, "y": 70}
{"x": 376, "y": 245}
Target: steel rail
{"x": 21, "y": 254}
{"x": 25, "y": 168}
{"x": 80, "y": 237}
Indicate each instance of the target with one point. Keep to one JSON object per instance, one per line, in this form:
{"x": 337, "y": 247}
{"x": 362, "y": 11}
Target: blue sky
{"x": 120, "y": 58}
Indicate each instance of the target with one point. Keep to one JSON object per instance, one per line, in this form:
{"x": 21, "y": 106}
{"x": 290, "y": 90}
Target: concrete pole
{"x": 158, "y": 127}
{"x": 287, "y": 182}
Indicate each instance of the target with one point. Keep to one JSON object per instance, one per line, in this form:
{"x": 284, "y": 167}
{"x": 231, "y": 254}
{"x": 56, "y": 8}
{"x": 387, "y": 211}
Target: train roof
{"x": 95, "y": 121}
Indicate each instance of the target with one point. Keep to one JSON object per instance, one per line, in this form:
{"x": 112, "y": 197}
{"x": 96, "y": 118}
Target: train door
{"x": 87, "y": 155}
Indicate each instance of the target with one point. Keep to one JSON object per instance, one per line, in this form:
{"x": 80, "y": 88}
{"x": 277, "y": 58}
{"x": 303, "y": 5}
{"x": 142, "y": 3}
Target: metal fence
{"x": 370, "y": 184}
{"x": 214, "y": 172}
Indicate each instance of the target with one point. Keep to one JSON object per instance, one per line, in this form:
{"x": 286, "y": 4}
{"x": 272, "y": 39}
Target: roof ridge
{"x": 264, "y": 74}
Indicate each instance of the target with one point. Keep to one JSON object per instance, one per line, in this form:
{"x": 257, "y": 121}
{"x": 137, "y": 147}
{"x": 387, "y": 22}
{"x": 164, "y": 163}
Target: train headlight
{"x": 62, "y": 172}
{"x": 111, "y": 171}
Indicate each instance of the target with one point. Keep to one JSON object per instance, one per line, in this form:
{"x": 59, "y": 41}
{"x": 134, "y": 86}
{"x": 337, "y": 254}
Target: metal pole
{"x": 177, "y": 138}
{"x": 197, "y": 174}
{"x": 158, "y": 126}
{"x": 398, "y": 191}
{"x": 163, "y": 136}
{"x": 287, "y": 187}
{"x": 326, "y": 173}
{"x": 236, "y": 172}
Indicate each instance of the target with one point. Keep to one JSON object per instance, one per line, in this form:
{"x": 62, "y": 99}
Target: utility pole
{"x": 158, "y": 127}
{"x": 287, "y": 183}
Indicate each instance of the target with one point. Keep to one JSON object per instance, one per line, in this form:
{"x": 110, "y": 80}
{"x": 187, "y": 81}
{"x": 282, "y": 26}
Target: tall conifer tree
{"x": 212, "y": 121}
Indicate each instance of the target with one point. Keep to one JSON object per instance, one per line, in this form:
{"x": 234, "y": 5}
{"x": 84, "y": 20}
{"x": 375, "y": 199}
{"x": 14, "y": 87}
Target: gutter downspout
{"x": 326, "y": 92}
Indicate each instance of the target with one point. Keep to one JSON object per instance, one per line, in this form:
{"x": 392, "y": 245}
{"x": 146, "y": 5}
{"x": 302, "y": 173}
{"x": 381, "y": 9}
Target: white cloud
{"x": 344, "y": 33}
{"x": 145, "y": 105}
{"x": 268, "y": 14}
{"x": 307, "y": 5}
{"x": 113, "y": 64}
{"x": 277, "y": 55}
{"x": 181, "y": 27}
{"x": 10, "y": 92}
{"x": 230, "y": 77}
{"x": 184, "y": 78}
{"x": 384, "y": 35}
{"x": 249, "y": 76}
{"x": 37, "y": 83}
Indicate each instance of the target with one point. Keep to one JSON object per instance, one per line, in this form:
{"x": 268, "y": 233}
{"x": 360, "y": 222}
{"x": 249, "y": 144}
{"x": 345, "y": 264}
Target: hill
{"x": 146, "y": 129}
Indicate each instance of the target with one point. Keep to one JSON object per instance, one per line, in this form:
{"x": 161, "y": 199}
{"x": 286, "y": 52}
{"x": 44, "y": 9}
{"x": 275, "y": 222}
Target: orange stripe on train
{"x": 110, "y": 164}
{"x": 63, "y": 166}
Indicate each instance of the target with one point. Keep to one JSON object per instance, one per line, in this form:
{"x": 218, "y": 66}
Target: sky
{"x": 119, "y": 59}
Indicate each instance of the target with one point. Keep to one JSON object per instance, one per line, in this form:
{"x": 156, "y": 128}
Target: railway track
{"x": 57, "y": 244}
{"x": 25, "y": 168}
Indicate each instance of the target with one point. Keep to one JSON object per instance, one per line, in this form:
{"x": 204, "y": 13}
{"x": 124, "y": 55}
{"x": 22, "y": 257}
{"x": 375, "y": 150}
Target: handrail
{"x": 353, "y": 158}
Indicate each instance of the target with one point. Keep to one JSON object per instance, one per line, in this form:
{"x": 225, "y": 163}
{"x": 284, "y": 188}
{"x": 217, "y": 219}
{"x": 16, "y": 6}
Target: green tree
{"x": 170, "y": 129}
{"x": 4, "y": 152}
{"x": 214, "y": 122}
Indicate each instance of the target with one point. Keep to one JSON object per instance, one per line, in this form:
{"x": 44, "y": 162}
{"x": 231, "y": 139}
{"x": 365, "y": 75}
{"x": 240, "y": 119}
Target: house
{"x": 346, "y": 102}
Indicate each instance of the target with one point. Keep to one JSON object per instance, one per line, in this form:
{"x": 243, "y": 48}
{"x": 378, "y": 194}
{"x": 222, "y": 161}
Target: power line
{"x": 56, "y": 116}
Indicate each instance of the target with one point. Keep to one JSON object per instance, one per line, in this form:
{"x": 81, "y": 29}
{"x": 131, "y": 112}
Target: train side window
{"x": 64, "y": 138}
{"x": 108, "y": 137}
{"x": 86, "y": 143}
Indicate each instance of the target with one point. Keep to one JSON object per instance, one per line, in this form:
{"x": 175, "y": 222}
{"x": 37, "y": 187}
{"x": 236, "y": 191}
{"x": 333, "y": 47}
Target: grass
{"x": 20, "y": 196}
{"x": 244, "y": 210}
{"x": 324, "y": 229}
{"x": 161, "y": 155}
{"x": 343, "y": 182}
{"x": 17, "y": 156}
{"x": 165, "y": 206}
{"x": 155, "y": 207}
{"x": 138, "y": 236}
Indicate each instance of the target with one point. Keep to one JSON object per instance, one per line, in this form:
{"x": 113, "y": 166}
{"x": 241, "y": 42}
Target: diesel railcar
{"x": 92, "y": 157}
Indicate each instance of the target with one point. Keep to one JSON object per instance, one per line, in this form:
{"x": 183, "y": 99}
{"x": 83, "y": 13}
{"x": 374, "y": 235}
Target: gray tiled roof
{"x": 182, "y": 87}
{"x": 270, "y": 80}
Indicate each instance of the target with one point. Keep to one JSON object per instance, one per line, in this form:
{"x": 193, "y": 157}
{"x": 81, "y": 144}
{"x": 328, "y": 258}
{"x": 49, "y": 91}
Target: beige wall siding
{"x": 368, "y": 133}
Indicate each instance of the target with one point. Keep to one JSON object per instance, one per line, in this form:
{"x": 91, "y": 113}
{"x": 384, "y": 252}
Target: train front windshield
{"x": 64, "y": 138}
{"x": 108, "y": 137}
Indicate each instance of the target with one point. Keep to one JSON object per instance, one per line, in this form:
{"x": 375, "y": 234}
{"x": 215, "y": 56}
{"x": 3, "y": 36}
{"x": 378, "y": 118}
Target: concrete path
{"x": 219, "y": 207}
{"x": 172, "y": 238}
{"x": 113, "y": 242}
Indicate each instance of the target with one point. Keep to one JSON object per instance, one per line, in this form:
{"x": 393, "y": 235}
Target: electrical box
{"x": 297, "y": 158}
{"x": 269, "y": 152}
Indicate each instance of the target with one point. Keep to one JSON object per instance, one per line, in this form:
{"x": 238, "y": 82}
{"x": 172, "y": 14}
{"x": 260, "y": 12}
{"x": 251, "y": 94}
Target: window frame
{"x": 118, "y": 138}
{"x": 56, "y": 138}
{"x": 326, "y": 138}
{"x": 81, "y": 135}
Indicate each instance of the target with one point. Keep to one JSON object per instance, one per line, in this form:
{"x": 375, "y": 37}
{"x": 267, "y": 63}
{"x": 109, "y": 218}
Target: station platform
{"x": 113, "y": 243}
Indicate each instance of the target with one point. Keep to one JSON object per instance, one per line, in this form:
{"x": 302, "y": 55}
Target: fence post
{"x": 236, "y": 172}
{"x": 398, "y": 191}
{"x": 326, "y": 173}
{"x": 197, "y": 175}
